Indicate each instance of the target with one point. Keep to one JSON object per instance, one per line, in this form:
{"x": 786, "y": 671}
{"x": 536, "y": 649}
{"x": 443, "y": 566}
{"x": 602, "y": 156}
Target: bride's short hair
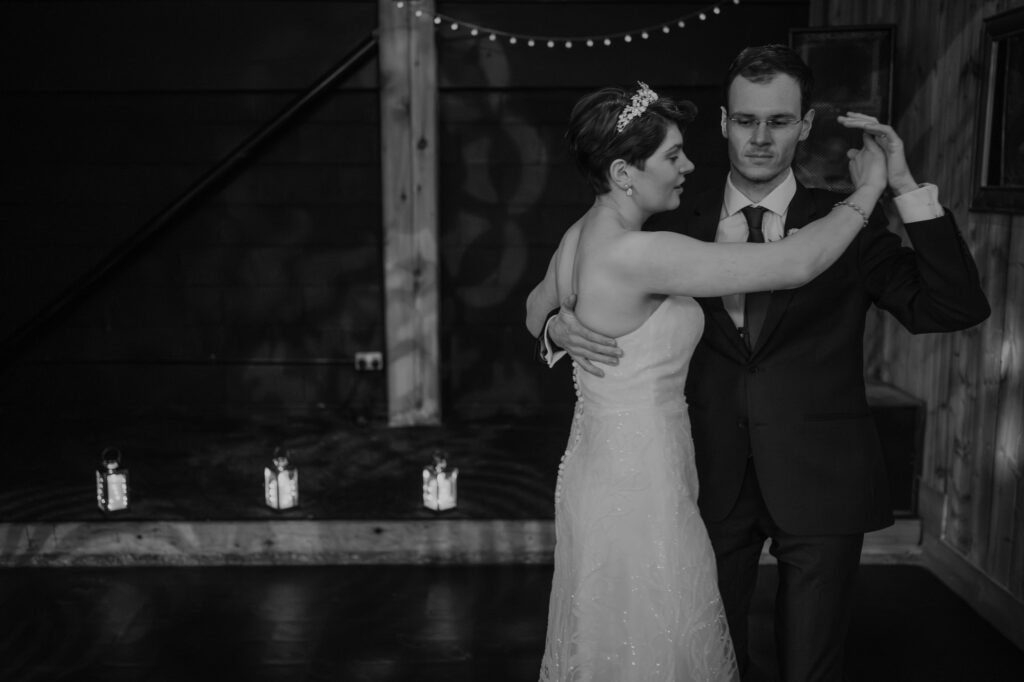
{"x": 594, "y": 141}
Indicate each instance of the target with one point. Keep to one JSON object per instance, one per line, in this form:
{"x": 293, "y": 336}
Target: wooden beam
{"x": 285, "y": 542}
{"x": 277, "y": 542}
{"x": 409, "y": 166}
{"x": 1005, "y": 562}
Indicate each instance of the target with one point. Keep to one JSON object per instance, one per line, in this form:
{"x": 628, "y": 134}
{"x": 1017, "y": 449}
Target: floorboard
{"x": 410, "y": 623}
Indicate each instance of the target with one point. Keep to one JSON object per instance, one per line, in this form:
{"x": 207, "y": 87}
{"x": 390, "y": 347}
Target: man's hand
{"x": 900, "y": 179}
{"x": 584, "y": 345}
{"x": 868, "y": 165}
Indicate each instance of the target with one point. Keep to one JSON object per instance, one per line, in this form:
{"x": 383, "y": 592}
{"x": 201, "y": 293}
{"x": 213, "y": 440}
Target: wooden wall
{"x": 972, "y": 488}
{"x": 257, "y": 299}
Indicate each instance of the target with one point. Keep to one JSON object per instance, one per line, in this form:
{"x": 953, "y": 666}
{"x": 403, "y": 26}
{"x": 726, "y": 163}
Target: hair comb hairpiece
{"x": 641, "y": 99}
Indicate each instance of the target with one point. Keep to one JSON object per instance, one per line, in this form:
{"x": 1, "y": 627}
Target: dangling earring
{"x": 629, "y": 191}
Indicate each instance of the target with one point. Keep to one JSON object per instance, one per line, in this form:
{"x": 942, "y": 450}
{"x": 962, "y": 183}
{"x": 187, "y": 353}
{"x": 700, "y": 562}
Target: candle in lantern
{"x": 281, "y": 482}
{"x": 440, "y": 490}
{"x": 111, "y": 482}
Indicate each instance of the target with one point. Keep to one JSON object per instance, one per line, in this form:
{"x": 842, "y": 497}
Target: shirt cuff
{"x": 919, "y": 204}
{"x": 547, "y": 353}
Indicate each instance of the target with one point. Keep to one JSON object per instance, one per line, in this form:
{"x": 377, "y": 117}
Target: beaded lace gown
{"x": 634, "y": 594}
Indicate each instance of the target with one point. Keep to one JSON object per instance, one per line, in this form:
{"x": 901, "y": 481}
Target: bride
{"x": 634, "y": 593}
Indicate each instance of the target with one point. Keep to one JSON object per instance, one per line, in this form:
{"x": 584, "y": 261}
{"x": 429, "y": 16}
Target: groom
{"x": 786, "y": 448}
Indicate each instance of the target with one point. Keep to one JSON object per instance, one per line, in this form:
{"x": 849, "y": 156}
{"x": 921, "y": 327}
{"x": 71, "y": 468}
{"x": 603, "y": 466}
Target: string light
{"x": 567, "y": 42}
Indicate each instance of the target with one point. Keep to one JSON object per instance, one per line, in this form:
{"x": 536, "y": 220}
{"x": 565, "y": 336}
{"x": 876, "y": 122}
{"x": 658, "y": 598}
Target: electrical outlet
{"x": 369, "y": 361}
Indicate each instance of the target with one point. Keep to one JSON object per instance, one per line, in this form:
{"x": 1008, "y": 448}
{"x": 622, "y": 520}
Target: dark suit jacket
{"x": 796, "y": 403}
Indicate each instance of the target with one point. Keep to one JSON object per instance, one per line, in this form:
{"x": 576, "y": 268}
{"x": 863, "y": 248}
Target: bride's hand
{"x": 868, "y": 165}
{"x": 900, "y": 178}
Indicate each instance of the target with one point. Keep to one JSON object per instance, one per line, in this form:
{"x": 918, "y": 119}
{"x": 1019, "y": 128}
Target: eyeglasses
{"x": 773, "y": 123}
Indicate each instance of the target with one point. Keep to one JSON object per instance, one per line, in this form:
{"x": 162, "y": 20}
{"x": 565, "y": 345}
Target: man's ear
{"x": 618, "y": 171}
{"x": 725, "y": 122}
{"x": 805, "y": 127}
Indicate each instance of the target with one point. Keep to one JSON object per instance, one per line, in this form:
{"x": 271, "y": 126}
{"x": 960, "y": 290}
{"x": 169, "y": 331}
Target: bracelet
{"x": 856, "y": 208}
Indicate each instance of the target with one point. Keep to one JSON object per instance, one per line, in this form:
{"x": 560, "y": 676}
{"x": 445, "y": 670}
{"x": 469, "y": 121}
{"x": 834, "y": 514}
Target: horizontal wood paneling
{"x": 118, "y": 107}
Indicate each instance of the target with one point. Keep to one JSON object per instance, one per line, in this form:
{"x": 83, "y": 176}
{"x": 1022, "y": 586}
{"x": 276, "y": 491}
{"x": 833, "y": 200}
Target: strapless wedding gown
{"x": 634, "y": 594}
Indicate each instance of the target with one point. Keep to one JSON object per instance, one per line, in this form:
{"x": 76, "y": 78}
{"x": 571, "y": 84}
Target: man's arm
{"x": 542, "y": 299}
{"x": 564, "y": 332}
{"x": 558, "y": 332}
{"x": 935, "y": 286}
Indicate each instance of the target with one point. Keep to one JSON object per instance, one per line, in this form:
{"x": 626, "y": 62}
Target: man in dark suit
{"x": 785, "y": 444}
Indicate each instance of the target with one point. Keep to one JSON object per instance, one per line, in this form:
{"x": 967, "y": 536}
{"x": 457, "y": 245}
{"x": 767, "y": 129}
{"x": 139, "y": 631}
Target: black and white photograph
{"x": 512, "y": 341}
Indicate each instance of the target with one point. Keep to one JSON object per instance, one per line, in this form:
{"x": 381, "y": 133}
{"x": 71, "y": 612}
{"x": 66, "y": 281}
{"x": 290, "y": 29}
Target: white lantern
{"x": 281, "y": 482}
{"x": 439, "y": 485}
{"x": 111, "y": 482}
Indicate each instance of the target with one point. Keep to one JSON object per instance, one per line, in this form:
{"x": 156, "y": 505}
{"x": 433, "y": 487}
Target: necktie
{"x": 755, "y": 304}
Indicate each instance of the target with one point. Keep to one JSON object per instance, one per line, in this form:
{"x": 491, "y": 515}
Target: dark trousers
{"x": 815, "y": 594}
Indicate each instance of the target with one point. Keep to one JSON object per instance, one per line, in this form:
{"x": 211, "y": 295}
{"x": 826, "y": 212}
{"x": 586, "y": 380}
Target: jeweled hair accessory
{"x": 641, "y": 99}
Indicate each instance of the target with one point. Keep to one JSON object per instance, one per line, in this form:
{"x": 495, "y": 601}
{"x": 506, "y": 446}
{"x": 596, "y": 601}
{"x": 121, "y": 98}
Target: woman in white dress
{"x": 634, "y": 593}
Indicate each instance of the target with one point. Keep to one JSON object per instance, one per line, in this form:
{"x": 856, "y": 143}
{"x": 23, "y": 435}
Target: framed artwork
{"x": 999, "y": 157}
{"x": 852, "y": 67}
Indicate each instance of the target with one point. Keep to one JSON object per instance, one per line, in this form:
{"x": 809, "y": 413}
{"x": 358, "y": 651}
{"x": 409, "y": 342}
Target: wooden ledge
{"x": 304, "y": 542}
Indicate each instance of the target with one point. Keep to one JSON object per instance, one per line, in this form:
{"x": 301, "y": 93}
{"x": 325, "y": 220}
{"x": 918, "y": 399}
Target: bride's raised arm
{"x": 670, "y": 263}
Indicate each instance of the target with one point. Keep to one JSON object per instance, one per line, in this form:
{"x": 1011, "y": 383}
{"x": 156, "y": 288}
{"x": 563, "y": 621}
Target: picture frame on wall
{"x": 999, "y": 155}
{"x": 852, "y": 67}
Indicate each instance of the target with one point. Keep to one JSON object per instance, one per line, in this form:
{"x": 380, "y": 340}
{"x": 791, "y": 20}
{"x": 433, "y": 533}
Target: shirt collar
{"x": 777, "y": 201}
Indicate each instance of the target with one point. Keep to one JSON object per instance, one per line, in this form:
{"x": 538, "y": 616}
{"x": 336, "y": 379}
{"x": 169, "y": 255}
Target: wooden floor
{"x": 198, "y": 498}
{"x": 391, "y": 623}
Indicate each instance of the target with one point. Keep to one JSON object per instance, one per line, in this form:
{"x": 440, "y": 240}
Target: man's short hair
{"x": 762, "y": 63}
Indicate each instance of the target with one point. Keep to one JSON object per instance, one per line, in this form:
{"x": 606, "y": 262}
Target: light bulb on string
{"x": 567, "y": 42}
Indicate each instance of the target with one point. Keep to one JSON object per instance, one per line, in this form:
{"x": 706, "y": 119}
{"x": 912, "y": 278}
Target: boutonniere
{"x": 791, "y": 231}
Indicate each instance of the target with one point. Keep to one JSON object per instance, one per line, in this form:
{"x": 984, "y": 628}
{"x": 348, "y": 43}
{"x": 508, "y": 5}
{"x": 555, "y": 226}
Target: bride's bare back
{"x": 587, "y": 266}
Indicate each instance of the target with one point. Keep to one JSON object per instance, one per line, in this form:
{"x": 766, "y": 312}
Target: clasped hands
{"x": 898, "y": 175}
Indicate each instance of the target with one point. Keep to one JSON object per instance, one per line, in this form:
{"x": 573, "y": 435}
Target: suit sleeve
{"x": 933, "y": 287}
{"x": 545, "y": 349}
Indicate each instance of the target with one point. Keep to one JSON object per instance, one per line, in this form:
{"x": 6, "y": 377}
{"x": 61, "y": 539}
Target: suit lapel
{"x": 801, "y": 211}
